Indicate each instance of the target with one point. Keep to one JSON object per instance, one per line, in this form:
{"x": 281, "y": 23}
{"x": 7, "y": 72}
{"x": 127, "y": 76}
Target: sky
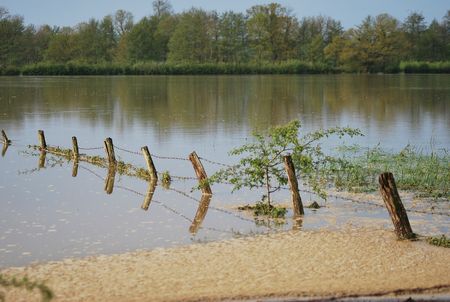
{"x": 349, "y": 12}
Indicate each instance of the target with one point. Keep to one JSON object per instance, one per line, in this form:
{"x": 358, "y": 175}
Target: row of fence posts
{"x": 388, "y": 188}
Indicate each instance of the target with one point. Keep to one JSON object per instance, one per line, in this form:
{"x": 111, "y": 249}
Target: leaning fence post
{"x": 148, "y": 197}
{"x": 43, "y": 144}
{"x": 293, "y": 184}
{"x": 391, "y": 198}
{"x": 5, "y": 139}
{"x": 109, "y": 148}
{"x": 75, "y": 150}
{"x": 200, "y": 172}
{"x": 150, "y": 166}
{"x": 109, "y": 182}
{"x": 4, "y": 149}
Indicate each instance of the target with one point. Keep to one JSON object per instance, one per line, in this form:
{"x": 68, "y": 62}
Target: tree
{"x": 191, "y": 41}
{"x": 271, "y": 32}
{"x": 414, "y": 28}
{"x": 62, "y": 46}
{"x": 262, "y": 161}
{"x": 161, "y": 8}
{"x": 123, "y": 22}
{"x": 12, "y": 37}
{"x": 141, "y": 41}
{"x": 232, "y": 44}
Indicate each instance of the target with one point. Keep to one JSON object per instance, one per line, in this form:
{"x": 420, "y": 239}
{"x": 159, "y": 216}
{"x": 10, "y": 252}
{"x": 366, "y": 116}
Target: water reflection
{"x": 201, "y": 213}
{"x": 110, "y": 177}
{"x": 42, "y": 157}
{"x": 149, "y": 196}
{"x": 4, "y": 149}
{"x": 75, "y": 168}
{"x": 383, "y": 106}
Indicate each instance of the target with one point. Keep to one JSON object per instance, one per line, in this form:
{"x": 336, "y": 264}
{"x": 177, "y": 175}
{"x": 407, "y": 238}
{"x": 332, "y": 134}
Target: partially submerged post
{"x": 293, "y": 184}
{"x": 42, "y": 143}
{"x": 391, "y": 198}
{"x": 5, "y": 139}
{"x": 75, "y": 168}
{"x": 109, "y": 149}
{"x": 76, "y": 153}
{"x": 109, "y": 182}
{"x": 41, "y": 163}
{"x": 200, "y": 172}
{"x": 150, "y": 165}
{"x": 201, "y": 213}
{"x": 148, "y": 197}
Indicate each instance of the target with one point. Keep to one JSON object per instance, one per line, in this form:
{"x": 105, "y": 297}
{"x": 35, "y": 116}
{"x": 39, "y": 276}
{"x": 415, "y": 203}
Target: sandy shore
{"x": 293, "y": 264}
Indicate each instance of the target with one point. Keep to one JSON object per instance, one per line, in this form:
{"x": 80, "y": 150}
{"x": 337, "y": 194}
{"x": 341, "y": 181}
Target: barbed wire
{"x": 153, "y": 155}
{"x": 215, "y": 162}
{"x": 90, "y": 148}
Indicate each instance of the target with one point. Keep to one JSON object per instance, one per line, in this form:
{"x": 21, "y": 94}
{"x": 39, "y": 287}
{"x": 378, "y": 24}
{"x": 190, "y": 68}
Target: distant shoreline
{"x": 162, "y": 68}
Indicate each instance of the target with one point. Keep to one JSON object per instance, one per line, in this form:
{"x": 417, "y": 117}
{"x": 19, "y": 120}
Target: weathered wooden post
{"x": 109, "y": 148}
{"x": 200, "y": 172}
{"x": 76, "y": 153}
{"x": 201, "y": 213}
{"x": 75, "y": 168}
{"x": 109, "y": 182}
{"x": 293, "y": 184}
{"x": 42, "y": 143}
{"x": 148, "y": 197}
{"x": 41, "y": 163}
{"x": 4, "y": 149}
{"x": 5, "y": 139}
{"x": 391, "y": 198}
{"x": 150, "y": 165}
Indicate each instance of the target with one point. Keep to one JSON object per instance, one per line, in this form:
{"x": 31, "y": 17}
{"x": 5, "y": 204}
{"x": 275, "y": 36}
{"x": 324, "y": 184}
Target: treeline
{"x": 266, "y": 39}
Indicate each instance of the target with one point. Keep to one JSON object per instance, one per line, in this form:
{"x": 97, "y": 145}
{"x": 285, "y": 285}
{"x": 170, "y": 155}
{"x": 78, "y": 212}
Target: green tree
{"x": 123, "y": 22}
{"x": 232, "y": 43}
{"x": 141, "y": 41}
{"x": 271, "y": 32}
{"x": 261, "y": 163}
{"x": 191, "y": 41}
{"x": 414, "y": 28}
{"x": 13, "y": 37}
{"x": 62, "y": 46}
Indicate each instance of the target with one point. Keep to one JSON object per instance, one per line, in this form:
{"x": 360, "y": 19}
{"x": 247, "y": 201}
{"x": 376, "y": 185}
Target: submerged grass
{"x": 24, "y": 283}
{"x": 439, "y": 241}
{"x": 426, "y": 174}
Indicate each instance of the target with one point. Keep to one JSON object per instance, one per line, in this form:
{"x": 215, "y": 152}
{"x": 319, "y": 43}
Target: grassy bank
{"x": 425, "y": 67}
{"x": 155, "y": 68}
{"x": 427, "y": 174}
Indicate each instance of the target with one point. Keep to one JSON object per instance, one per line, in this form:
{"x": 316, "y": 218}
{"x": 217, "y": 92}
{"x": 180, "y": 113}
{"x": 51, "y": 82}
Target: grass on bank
{"x": 427, "y": 174}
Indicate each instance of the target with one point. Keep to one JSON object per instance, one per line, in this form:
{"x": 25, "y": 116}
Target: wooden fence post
{"x": 5, "y": 139}
{"x": 76, "y": 153}
{"x": 200, "y": 172}
{"x": 109, "y": 148}
{"x": 148, "y": 197}
{"x": 293, "y": 184}
{"x": 75, "y": 168}
{"x": 41, "y": 136}
{"x": 391, "y": 198}
{"x": 109, "y": 182}
{"x": 201, "y": 213}
{"x": 150, "y": 165}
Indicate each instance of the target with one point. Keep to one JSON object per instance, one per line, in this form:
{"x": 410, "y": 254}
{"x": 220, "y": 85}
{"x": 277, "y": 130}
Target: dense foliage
{"x": 266, "y": 35}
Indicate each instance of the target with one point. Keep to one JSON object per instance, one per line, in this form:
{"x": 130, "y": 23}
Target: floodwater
{"x": 48, "y": 212}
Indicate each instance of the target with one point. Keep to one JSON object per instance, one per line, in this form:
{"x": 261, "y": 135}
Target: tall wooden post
{"x": 5, "y": 139}
{"x": 391, "y": 198}
{"x": 150, "y": 165}
{"x": 76, "y": 153}
{"x": 42, "y": 143}
{"x": 293, "y": 184}
{"x": 201, "y": 213}
{"x": 109, "y": 148}
{"x": 200, "y": 172}
{"x": 148, "y": 197}
{"x": 75, "y": 168}
{"x": 109, "y": 182}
